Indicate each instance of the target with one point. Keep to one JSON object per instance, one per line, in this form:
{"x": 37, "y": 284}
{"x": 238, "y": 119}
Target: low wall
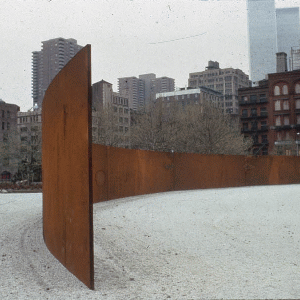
{"x": 119, "y": 172}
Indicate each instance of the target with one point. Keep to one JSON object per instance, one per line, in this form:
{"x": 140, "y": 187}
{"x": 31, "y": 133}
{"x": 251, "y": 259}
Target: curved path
{"x": 219, "y": 243}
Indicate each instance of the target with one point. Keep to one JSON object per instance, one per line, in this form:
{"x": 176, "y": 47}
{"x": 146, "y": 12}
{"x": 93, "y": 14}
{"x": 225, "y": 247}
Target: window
{"x": 115, "y": 109}
{"x": 277, "y": 105}
{"x": 263, "y": 112}
{"x": 263, "y": 125}
{"x": 286, "y": 105}
{"x": 5, "y": 161}
{"x": 253, "y": 112}
{"x": 253, "y": 98}
{"x": 7, "y": 126}
{"x": 255, "y": 139}
{"x": 120, "y": 128}
{"x": 285, "y": 90}
{"x": 3, "y": 125}
{"x": 120, "y": 110}
{"x": 286, "y": 120}
{"x": 8, "y": 114}
{"x": 276, "y": 90}
{"x": 297, "y": 88}
{"x": 254, "y": 125}
{"x": 262, "y": 97}
{"x": 245, "y": 126}
{"x": 23, "y": 129}
{"x": 5, "y": 137}
{"x": 3, "y": 114}
{"x": 24, "y": 139}
{"x": 298, "y": 119}
{"x": 245, "y": 113}
{"x": 121, "y": 120}
{"x": 125, "y": 110}
{"x": 264, "y": 139}
{"x": 126, "y": 120}
{"x": 126, "y": 129}
{"x": 278, "y": 121}
{"x": 298, "y": 104}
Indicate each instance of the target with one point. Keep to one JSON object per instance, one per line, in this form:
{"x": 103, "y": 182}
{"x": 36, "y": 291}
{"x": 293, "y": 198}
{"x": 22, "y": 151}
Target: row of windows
{"x": 283, "y": 89}
{"x": 121, "y": 110}
{"x": 7, "y": 114}
{"x": 254, "y": 113}
{"x": 120, "y": 100}
{"x": 284, "y": 105}
{"x": 285, "y": 120}
{"x": 32, "y": 119}
{"x": 254, "y": 125}
{"x": 255, "y": 98}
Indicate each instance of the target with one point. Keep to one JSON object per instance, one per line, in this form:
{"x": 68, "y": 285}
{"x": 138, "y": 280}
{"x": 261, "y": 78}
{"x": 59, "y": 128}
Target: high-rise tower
{"x": 48, "y": 62}
{"x": 262, "y": 38}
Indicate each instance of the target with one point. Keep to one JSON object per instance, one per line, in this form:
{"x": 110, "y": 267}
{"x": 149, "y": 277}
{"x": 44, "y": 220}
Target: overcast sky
{"x": 128, "y": 37}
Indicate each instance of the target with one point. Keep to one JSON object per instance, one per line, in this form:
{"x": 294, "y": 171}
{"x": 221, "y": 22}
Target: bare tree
{"x": 194, "y": 128}
{"x": 105, "y": 129}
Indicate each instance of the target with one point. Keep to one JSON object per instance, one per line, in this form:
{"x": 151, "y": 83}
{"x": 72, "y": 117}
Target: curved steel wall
{"x": 121, "y": 172}
{"x": 67, "y": 185}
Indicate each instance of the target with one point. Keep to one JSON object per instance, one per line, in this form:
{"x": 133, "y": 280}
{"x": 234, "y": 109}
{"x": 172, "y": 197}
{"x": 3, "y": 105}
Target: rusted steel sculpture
{"x": 121, "y": 172}
{"x": 77, "y": 173}
{"x": 67, "y": 178}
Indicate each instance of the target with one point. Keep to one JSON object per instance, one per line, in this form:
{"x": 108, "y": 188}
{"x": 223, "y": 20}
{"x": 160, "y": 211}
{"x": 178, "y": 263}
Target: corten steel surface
{"x": 121, "y": 172}
{"x": 67, "y": 175}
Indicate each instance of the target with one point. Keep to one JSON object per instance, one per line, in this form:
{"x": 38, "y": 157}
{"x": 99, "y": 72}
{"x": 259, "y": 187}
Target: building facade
{"x": 110, "y": 116}
{"x": 270, "y": 114}
{"x": 254, "y": 116}
{"x": 186, "y": 96}
{"x": 270, "y": 30}
{"x": 46, "y": 64}
{"x": 226, "y": 81}
{"x": 9, "y": 140}
{"x": 142, "y": 91}
{"x": 262, "y": 38}
{"x": 30, "y": 130}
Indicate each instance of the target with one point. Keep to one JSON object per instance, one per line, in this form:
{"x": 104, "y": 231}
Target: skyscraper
{"x": 270, "y": 31}
{"x": 288, "y": 29}
{"x": 262, "y": 38}
{"x": 48, "y": 62}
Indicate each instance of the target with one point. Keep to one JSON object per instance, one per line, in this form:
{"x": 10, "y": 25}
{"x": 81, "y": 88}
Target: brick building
{"x": 270, "y": 114}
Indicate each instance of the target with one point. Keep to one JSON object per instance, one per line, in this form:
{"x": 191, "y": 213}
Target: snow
{"x": 215, "y": 243}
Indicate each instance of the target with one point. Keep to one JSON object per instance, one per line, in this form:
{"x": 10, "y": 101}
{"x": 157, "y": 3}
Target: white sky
{"x": 123, "y": 34}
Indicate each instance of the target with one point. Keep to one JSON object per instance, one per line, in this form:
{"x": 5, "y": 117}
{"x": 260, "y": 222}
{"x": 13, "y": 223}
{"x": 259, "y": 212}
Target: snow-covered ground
{"x": 217, "y": 243}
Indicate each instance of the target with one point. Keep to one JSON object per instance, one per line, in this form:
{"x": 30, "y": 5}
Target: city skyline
{"x": 169, "y": 39}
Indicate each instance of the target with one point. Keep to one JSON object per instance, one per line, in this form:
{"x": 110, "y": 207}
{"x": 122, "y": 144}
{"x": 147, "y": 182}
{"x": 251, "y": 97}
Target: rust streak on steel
{"x": 67, "y": 168}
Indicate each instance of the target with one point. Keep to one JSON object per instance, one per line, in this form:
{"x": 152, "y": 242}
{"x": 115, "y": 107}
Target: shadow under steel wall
{"x": 119, "y": 173}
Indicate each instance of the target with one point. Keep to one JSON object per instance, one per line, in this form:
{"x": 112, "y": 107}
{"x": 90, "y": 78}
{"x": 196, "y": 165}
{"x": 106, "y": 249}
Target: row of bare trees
{"x": 170, "y": 127}
{"x": 194, "y": 128}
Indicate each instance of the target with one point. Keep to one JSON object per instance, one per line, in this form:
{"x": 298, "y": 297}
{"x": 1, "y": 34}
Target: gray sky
{"x": 128, "y": 37}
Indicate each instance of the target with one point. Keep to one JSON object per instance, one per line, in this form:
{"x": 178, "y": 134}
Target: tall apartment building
{"x": 270, "y": 30}
{"x": 110, "y": 126}
{"x": 270, "y": 114}
{"x": 46, "y": 64}
{"x": 226, "y": 81}
{"x": 133, "y": 89}
{"x": 8, "y": 140}
{"x": 142, "y": 91}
